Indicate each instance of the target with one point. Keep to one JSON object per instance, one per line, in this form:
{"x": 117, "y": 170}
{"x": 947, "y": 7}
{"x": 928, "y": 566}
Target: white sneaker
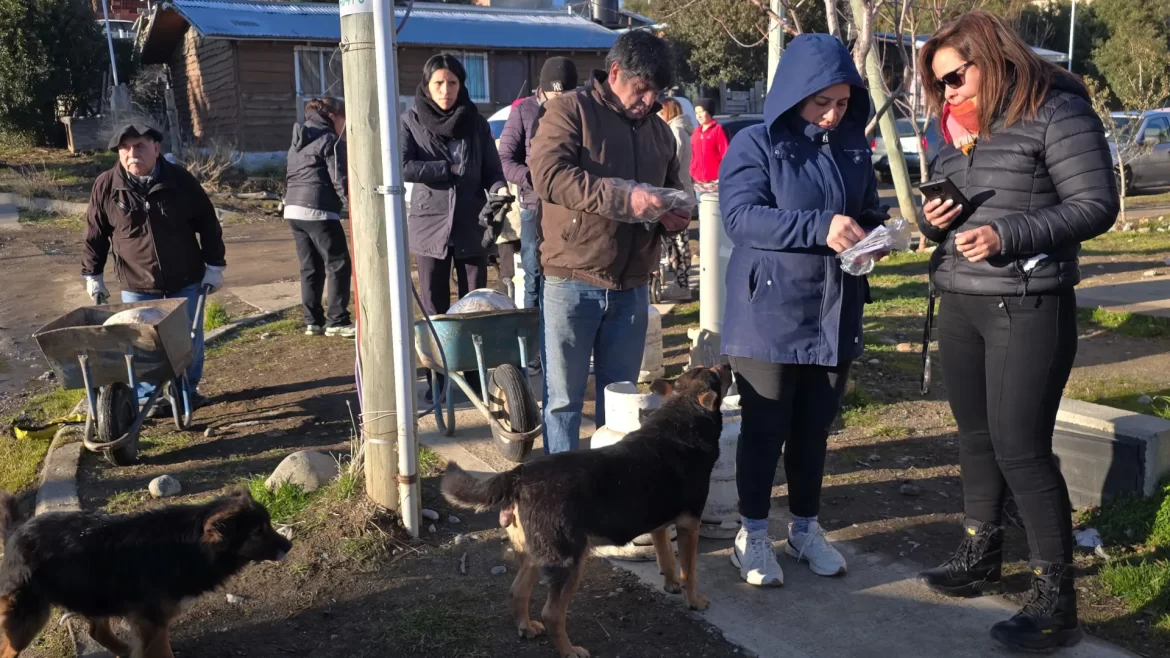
{"x": 813, "y": 546}
{"x": 752, "y": 554}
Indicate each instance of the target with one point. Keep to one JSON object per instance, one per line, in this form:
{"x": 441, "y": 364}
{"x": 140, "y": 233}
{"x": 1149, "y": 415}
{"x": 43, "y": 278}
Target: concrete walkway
{"x": 877, "y": 610}
{"x": 1149, "y": 296}
{"x": 9, "y": 214}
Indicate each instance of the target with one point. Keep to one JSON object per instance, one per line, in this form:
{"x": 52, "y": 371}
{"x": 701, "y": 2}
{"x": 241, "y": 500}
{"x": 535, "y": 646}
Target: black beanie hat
{"x": 558, "y": 74}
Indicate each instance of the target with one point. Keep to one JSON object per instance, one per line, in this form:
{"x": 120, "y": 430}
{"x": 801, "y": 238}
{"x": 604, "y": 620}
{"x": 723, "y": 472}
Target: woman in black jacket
{"x": 316, "y": 193}
{"x": 450, "y": 156}
{"x": 1028, "y": 152}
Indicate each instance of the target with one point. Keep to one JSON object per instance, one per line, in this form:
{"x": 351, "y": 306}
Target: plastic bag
{"x": 894, "y": 235}
{"x": 677, "y": 201}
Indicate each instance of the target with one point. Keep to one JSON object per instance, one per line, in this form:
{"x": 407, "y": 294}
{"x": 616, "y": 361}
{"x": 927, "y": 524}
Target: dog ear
{"x": 240, "y": 491}
{"x": 221, "y": 525}
{"x": 661, "y": 387}
{"x": 709, "y": 400}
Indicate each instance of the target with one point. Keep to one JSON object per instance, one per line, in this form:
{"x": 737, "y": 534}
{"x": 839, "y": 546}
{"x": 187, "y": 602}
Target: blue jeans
{"x": 191, "y": 294}
{"x": 579, "y": 320}
{"x": 530, "y": 255}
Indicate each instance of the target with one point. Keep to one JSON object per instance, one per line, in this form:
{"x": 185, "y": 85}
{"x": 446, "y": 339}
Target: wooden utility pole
{"x": 863, "y": 20}
{"x": 368, "y": 217}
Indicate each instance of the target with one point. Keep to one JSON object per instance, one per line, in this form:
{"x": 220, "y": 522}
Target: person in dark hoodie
{"x": 557, "y": 76}
{"x": 795, "y": 191}
{"x": 317, "y": 191}
{"x": 1026, "y": 148}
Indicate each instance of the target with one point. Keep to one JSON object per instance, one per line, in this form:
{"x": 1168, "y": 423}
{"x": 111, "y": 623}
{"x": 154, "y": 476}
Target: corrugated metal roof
{"x": 429, "y": 24}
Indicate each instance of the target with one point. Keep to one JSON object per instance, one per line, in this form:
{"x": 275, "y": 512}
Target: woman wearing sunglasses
{"x": 1027, "y": 150}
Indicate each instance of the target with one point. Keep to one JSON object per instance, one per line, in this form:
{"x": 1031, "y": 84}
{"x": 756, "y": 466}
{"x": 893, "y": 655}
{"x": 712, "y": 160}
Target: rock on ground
{"x": 165, "y": 486}
{"x": 307, "y": 469}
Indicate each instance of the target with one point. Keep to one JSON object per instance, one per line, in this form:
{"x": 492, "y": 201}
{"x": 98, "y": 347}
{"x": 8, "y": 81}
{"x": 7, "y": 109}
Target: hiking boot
{"x": 344, "y": 331}
{"x": 314, "y": 330}
{"x": 814, "y": 547}
{"x": 1048, "y": 619}
{"x": 753, "y": 555}
{"x": 975, "y": 567}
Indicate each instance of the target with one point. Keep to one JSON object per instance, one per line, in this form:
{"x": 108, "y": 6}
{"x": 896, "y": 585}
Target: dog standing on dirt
{"x": 556, "y": 507}
{"x": 143, "y": 567}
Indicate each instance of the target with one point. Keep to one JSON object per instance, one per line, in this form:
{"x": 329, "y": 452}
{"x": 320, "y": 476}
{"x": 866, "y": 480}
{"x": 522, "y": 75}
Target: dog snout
{"x": 725, "y": 377}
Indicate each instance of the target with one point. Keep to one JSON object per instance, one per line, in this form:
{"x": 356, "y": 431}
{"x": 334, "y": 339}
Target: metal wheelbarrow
{"x": 109, "y": 361}
{"x": 495, "y": 340}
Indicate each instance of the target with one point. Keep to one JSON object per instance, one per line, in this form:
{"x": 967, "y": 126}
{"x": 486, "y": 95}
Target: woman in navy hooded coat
{"x": 795, "y": 191}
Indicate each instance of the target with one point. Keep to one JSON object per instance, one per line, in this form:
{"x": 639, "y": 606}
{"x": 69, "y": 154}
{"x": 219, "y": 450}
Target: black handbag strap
{"x": 926, "y": 336}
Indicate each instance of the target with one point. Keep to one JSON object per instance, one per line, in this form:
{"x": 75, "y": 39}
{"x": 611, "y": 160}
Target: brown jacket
{"x": 583, "y": 139}
{"x": 154, "y": 234}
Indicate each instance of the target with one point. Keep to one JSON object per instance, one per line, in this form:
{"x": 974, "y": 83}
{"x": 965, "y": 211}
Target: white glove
{"x": 95, "y": 287}
{"x": 212, "y": 277}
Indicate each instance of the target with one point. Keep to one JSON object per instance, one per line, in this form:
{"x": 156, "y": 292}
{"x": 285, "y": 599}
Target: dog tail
{"x": 465, "y": 490}
{"x": 9, "y": 515}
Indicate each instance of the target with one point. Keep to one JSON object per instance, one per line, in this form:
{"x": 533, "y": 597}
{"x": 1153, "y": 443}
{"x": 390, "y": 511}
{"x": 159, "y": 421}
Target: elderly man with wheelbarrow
{"x": 165, "y": 235}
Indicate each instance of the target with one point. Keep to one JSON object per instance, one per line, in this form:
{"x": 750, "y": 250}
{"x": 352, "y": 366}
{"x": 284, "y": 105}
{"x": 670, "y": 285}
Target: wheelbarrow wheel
{"x": 511, "y": 404}
{"x": 117, "y": 408}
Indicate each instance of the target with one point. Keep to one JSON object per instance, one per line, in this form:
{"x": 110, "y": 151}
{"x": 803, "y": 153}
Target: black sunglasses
{"x": 954, "y": 79}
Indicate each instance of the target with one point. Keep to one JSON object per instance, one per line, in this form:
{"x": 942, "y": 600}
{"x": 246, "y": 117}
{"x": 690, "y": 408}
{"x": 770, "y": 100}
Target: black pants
{"x": 1005, "y": 362}
{"x": 434, "y": 279}
{"x": 324, "y": 256}
{"x": 789, "y": 408}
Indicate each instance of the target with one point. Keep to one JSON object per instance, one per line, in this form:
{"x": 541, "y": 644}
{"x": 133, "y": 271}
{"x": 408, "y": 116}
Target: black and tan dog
{"x": 556, "y": 507}
{"x": 142, "y": 567}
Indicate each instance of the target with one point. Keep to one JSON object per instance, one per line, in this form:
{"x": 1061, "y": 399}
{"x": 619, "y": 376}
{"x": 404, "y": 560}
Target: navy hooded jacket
{"x": 781, "y": 183}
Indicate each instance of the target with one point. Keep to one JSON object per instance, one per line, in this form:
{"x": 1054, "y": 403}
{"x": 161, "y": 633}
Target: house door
{"x": 510, "y": 79}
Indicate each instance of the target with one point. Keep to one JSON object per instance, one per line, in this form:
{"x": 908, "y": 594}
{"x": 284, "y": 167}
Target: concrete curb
{"x": 75, "y": 207}
{"x": 58, "y": 490}
{"x": 1150, "y": 432}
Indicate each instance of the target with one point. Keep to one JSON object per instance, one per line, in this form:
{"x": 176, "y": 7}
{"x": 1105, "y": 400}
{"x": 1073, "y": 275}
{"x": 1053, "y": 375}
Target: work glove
{"x": 493, "y": 216}
{"x": 212, "y": 278}
{"x": 95, "y": 287}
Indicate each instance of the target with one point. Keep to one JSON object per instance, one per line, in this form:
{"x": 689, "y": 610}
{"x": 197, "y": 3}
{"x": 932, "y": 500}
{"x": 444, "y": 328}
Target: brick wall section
{"x": 126, "y": 10}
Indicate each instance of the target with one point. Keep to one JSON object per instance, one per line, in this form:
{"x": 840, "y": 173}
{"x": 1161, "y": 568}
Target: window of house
{"x": 318, "y": 73}
{"x": 478, "y": 81}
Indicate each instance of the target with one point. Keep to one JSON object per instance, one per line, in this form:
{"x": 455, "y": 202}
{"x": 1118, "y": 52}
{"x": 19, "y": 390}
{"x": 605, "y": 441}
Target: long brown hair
{"x": 670, "y": 109}
{"x": 1013, "y": 80}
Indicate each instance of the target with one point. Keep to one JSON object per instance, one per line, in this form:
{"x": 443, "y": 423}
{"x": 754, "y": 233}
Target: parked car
{"x": 733, "y": 123}
{"x": 1149, "y": 167}
{"x": 497, "y": 121}
{"x": 1122, "y": 121}
{"x": 913, "y": 147}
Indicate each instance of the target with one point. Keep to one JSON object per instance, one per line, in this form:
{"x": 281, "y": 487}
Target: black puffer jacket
{"x": 317, "y": 176}
{"x": 1046, "y": 185}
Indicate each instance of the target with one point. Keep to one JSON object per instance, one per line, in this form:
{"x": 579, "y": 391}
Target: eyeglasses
{"x": 954, "y": 79}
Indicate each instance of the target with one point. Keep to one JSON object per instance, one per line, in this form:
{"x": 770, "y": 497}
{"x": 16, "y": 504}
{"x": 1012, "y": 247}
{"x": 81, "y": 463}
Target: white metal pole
{"x": 1072, "y": 28}
{"x": 775, "y": 40}
{"x": 110, "y": 41}
{"x": 402, "y": 310}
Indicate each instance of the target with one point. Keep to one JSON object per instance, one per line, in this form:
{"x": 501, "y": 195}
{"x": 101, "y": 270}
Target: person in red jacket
{"x": 708, "y": 145}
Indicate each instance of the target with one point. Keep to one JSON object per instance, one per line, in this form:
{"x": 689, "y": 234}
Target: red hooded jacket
{"x": 708, "y": 145}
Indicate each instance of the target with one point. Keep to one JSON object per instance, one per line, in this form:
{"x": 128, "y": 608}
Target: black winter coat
{"x": 1045, "y": 185}
{"x": 317, "y": 167}
{"x": 444, "y": 208}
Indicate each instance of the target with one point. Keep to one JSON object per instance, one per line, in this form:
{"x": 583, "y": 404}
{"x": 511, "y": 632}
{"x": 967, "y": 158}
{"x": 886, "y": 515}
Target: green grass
{"x": 1120, "y": 393}
{"x": 430, "y": 463}
{"x": 152, "y": 446}
{"x": 347, "y": 485}
{"x": 44, "y": 407}
{"x": 214, "y": 315}
{"x": 366, "y": 548}
{"x": 1121, "y": 243}
{"x": 1144, "y": 587}
{"x": 20, "y": 459}
{"x": 1147, "y": 200}
{"x": 125, "y": 502}
{"x": 1134, "y": 325}
{"x": 681, "y": 318}
{"x": 284, "y": 502}
{"x": 450, "y": 628}
{"x": 1132, "y": 520}
{"x": 251, "y": 335}
{"x": 858, "y": 409}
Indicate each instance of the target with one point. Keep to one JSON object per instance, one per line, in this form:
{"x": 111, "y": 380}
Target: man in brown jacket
{"x": 165, "y": 236}
{"x": 595, "y": 152}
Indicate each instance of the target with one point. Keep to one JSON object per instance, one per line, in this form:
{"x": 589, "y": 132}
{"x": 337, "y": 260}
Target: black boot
{"x": 1048, "y": 619}
{"x": 975, "y": 567}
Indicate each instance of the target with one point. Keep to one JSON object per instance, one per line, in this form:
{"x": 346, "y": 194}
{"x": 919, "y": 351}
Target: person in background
{"x": 597, "y": 263}
{"x": 317, "y": 191}
{"x": 165, "y": 236}
{"x": 1022, "y": 141}
{"x": 557, "y": 76}
{"x": 680, "y": 124}
{"x": 449, "y": 154}
{"x": 795, "y": 191}
{"x": 708, "y": 146}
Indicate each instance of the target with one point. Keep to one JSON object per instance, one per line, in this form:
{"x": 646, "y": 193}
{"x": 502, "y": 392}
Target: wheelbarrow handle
{"x": 199, "y": 304}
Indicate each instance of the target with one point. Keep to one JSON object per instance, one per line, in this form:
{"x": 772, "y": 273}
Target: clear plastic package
{"x": 859, "y": 259}
{"x": 669, "y": 200}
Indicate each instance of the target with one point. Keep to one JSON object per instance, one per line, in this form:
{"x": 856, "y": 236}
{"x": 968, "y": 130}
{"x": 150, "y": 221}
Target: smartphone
{"x": 944, "y": 189}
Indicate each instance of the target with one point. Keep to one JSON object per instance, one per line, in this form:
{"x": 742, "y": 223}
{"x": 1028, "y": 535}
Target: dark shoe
{"x": 162, "y": 407}
{"x": 1048, "y": 620}
{"x": 976, "y": 566}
